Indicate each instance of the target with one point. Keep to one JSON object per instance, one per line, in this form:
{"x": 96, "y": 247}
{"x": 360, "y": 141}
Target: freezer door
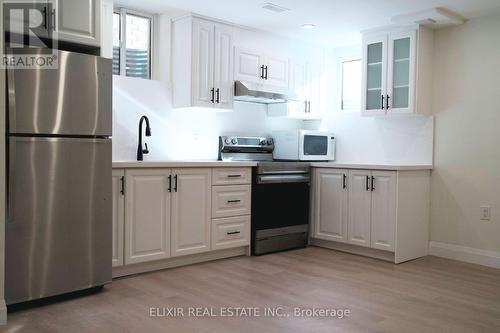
{"x": 58, "y": 232}
{"x": 74, "y": 99}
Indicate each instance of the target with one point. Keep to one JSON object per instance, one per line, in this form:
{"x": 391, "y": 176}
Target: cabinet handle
{"x": 368, "y": 183}
{"x": 382, "y": 102}
{"x": 217, "y": 92}
{"x": 373, "y": 183}
{"x": 387, "y": 102}
{"x": 262, "y": 72}
{"x": 212, "y": 93}
{"x": 305, "y": 106}
{"x": 233, "y": 176}
{"x": 233, "y": 232}
{"x": 308, "y": 106}
{"x": 234, "y": 201}
{"x": 344, "y": 182}
{"x": 175, "y": 186}
{"x": 170, "y": 183}
{"x": 265, "y": 76}
{"x": 122, "y": 185}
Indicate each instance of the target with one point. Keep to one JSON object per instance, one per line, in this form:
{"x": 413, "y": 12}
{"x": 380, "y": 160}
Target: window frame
{"x": 123, "y": 37}
{"x": 347, "y": 55}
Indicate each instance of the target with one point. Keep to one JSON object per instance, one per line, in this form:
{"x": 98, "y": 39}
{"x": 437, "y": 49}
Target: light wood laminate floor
{"x": 425, "y": 295}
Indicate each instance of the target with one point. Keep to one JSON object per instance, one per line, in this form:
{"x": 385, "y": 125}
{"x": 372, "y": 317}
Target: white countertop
{"x": 397, "y": 167}
{"x": 180, "y": 164}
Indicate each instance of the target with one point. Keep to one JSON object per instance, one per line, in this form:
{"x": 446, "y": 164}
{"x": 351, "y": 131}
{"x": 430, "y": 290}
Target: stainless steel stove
{"x": 280, "y": 194}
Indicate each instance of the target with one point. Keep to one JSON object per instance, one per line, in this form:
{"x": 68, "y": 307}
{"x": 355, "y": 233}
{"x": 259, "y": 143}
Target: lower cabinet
{"x": 383, "y": 210}
{"x": 161, "y": 213}
{"x": 331, "y": 205}
{"x": 191, "y": 207}
{"x": 360, "y": 196}
{"x": 118, "y": 183}
{"x": 147, "y": 215}
{"x": 230, "y": 232}
{"x": 356, "y": 207}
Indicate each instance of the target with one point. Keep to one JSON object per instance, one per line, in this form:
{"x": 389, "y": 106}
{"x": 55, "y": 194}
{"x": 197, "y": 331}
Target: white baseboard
{"x": 3, "y": 313}
{"x": 464, "y": 253}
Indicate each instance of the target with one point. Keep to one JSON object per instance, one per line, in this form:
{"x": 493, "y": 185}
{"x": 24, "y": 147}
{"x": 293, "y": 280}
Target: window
{"x": 132, "y": 36}
{"x": 351, "y": 85}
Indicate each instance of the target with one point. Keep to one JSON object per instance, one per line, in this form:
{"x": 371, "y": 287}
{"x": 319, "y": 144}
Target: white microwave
{"x": 302, "y": 145}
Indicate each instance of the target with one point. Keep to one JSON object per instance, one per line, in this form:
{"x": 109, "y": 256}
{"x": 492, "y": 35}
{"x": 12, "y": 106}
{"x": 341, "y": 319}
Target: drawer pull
{"x": 234, "y": 201}
{"x": 233, "y": 232}
{"x": 233, "y": 176}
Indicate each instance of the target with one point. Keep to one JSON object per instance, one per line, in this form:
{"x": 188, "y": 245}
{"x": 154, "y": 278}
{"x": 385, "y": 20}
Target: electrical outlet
{"x": 485, "y": 213}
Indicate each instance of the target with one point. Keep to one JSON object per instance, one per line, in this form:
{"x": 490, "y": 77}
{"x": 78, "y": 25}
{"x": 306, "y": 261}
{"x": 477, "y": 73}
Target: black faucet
{"x": 141, "y": 151}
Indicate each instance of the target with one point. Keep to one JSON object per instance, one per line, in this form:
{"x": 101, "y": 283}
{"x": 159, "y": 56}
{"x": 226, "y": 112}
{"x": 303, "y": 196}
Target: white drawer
{"x": 230, "y": 232}
{"x": 231, "y": 176}
{"x": 231, "y": 200}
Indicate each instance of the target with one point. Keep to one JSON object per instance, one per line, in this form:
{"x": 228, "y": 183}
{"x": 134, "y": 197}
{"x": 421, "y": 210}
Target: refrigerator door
{"x": 74, "y": 99}
{"x": 58, "y": 232}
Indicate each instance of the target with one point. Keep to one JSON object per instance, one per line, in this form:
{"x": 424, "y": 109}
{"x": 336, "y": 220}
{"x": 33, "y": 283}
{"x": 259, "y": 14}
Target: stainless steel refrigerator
{"x": 59, "y": 219}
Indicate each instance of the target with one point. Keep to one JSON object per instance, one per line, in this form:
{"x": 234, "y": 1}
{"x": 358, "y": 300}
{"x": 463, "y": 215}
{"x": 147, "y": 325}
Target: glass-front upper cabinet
{"x": 374, "y": 74}
{"x": 388, "y": 73}
{"x": 401, "y": 72}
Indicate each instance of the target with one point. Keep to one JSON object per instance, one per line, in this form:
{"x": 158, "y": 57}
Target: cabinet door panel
{"x": 191, "y": 208}
{"x": 401, "y": 71}
{"x": 247, "y": 66}
{"x": 223, "y": 74}
{"x": 147, "y": 218}
{"x": 331, "y": 205}
{"x": 374, "y": 74}
{"x": 277, "y": 71}
{"x": 314, "y": 87}
{"x": 203, "y": 63}
{"x": 78, "y": 21}
{"x": 383, "y": 210}
{"x": 118, "y": 217}
{"x": 359, "y": 207}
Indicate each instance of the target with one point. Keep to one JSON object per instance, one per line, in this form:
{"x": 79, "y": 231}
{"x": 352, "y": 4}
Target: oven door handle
{"x": 274, "y": 179}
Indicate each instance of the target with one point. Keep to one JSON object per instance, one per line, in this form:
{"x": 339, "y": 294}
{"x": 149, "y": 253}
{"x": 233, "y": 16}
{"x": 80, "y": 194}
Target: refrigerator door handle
{"x": 11, "y": 181}
{"x": 11, "y": 95}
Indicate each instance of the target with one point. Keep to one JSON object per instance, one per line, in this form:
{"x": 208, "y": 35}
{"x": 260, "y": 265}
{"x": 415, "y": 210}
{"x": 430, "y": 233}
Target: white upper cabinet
{"x": 331, "y": 204}
{"x": 191, "y": 211}
{"x": 248, "y": 65}
{"x": 202, "y": 63}
{"x": 77, "y": 21}
{"x": 395, "y": 71}
{"x": 276, "y": 71}
{"x": 374, "y": 74}
{"x": 258, "y": 67}
{"x": 305, "y": 83}
{"x": 223, "y": 68}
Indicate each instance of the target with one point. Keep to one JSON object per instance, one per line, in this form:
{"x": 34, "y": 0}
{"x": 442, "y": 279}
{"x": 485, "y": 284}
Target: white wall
{"x": 181, "y": 134}
{"x": 466, "y": 104}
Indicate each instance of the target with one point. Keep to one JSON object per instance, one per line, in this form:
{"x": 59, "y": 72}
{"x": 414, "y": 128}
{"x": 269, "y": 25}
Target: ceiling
{"x": 338, "y": 22}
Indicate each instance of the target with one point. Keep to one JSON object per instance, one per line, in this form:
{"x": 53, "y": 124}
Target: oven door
{"x": 280, "y": 212}
{"x": 315, "y": 146}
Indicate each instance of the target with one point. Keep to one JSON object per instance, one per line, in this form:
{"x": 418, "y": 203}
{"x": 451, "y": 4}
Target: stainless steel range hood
{"x": 258, "y": 93}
